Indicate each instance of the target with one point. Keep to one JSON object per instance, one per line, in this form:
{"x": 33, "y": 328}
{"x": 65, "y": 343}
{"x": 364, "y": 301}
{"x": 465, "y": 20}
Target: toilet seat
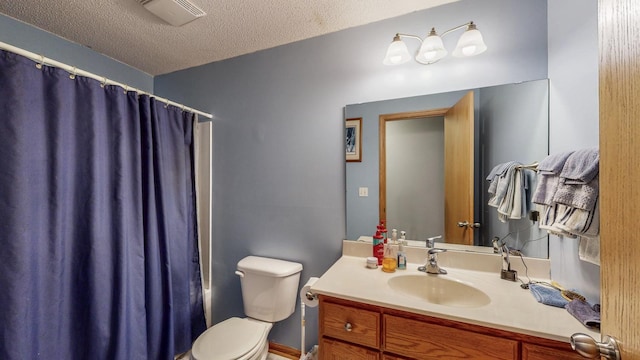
{"x": 234, "y": 338}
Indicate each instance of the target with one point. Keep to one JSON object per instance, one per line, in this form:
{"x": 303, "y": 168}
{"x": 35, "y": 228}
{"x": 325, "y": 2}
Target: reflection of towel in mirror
{"x": 509, "y": 192}
{"x": 498, "y": 170}
{"x": 503, "y": 183}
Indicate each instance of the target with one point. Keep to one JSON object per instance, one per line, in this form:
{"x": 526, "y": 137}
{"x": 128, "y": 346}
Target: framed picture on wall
{"x": 353, "y": 142}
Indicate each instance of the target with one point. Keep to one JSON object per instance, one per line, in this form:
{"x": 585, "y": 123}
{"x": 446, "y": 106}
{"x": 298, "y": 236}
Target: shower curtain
{"x": 98, "y": 252}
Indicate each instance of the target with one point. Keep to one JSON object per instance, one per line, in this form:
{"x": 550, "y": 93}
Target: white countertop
{"x": 511, "y": 308}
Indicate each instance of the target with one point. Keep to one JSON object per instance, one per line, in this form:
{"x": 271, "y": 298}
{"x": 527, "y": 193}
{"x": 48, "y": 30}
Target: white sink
{"x": 440, "y": 289}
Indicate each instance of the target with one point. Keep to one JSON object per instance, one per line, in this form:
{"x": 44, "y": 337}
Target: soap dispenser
{"x": 402, "y": 257}
{"x": 389, "y": 262}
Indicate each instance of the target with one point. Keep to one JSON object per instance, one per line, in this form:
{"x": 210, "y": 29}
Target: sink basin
{"x": 439, "y": 289}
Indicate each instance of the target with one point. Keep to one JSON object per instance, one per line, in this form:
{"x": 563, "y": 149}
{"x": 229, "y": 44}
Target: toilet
{"x": 269, "y": 293}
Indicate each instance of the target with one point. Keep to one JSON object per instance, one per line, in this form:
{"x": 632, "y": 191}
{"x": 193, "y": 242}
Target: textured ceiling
{"x": 124, "y": 30}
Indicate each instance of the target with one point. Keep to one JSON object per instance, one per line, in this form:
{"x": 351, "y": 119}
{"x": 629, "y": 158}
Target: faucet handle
{"x": 431, "y": 242}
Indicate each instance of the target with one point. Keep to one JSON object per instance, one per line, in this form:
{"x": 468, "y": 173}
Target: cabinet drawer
{"x": 337, "y": 350}
{"x": 537, "y": 352}
{"x": 420, "y": 340}
{"x": 351, "y": 324}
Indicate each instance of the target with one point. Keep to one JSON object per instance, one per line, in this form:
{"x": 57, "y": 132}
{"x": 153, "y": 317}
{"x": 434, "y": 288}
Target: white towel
{"x": 589, "y": 250}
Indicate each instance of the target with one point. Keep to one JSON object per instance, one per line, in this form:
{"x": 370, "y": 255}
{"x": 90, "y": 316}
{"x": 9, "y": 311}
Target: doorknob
{"x": 467, "y": 224}
{"x": 586, "y": 346}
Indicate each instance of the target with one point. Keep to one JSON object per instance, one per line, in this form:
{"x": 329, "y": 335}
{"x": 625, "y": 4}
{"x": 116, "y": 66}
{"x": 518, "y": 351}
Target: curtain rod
{"x": 40, "y": 59}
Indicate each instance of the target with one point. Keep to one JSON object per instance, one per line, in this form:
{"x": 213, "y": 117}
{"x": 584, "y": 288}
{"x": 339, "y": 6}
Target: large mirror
{"x": 402, "y": 168}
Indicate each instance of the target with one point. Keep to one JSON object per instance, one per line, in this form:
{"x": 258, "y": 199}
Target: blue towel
{"x": 582, "y": 166}
{"x": 587, "y": 315}
{"x": 547, "y": 295}
{"x": 553, "y": 164}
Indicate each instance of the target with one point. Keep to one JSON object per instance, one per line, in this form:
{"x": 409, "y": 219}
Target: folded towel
{"x": 577, "y": 221}
{"x": 545, "y": 189}
{"x": 586, "y": 314}
{"x": 553, "y": 164}
{"x": 582, "y": 166}
{"x": 547, "y": 295}
{"x": 581, "y": 196}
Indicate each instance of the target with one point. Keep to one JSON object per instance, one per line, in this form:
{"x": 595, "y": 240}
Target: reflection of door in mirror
{"x": 458, "y": 172}
{"x": 423, "y": 152}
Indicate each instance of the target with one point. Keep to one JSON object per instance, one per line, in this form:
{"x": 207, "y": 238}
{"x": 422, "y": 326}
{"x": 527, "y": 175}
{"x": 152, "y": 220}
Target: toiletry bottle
{"x": 394, "y": 236}
{"x": 389, "y": 262}
{"x": 383, "y": 230}
{"x": 402, "y": 257}
{"x": 378, "y": 247}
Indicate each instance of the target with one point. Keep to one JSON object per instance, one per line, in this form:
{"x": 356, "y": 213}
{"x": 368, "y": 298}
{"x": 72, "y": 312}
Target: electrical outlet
{"x": 363, "y": 191}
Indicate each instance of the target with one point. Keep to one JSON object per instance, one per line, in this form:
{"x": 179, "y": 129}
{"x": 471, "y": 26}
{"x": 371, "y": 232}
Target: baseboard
{"x": 284, "y": 351}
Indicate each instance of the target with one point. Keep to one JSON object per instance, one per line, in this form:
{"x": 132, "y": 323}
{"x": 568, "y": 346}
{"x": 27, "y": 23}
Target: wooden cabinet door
{"x": 536, "y": 352}
{"x": 424, "y": 341}
{"x": 338, "y": 350}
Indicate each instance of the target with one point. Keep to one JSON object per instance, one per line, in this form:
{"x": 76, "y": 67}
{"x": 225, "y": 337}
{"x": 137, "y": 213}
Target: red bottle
{"x": 378, "y": 247}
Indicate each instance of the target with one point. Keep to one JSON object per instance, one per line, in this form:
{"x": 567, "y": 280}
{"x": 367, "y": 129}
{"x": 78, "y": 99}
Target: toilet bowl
{"x": 269, "y": 291}
{"x": 234, "y": 338}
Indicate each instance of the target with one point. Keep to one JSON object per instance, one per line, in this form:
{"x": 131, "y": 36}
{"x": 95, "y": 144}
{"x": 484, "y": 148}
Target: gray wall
{"x": 279, "y": 169}
{"x": 29, "y": 38}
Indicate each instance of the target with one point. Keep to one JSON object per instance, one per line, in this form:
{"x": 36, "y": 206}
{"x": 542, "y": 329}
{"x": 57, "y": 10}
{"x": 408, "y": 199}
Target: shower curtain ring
{"x": 166, "y": 104}
{"x": 126, "y": 89}
{"x": 39, "y": 65}
{"x": 72, "y": 74}
{"x": 103, "y": 83}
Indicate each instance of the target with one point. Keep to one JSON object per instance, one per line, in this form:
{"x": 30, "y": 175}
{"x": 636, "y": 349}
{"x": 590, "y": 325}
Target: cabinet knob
{"x": 348, "y": 327}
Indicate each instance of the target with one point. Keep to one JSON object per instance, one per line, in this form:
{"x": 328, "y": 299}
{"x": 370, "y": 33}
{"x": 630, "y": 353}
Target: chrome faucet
{"x": 431, "y": 242}
{"x": 432, "y": 267}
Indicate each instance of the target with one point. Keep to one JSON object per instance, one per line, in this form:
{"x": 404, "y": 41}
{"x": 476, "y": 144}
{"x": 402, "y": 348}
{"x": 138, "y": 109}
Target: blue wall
{"x": 278, "y": 162}
{"x": 574, "y": 116}
{"x": 26, "y": 37}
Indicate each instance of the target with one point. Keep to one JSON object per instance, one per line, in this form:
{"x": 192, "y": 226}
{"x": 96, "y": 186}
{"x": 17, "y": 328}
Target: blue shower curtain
{"x": 98, "y": 249}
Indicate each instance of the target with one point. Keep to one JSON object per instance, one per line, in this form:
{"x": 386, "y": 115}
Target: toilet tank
{"x": 269, "y": 287}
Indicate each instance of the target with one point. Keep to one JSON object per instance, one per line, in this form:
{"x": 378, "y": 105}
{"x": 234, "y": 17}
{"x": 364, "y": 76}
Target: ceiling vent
{"x": 175, "y": 12}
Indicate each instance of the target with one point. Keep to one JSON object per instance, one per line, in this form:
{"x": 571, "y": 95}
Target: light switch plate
{"x": 363, "y": 191}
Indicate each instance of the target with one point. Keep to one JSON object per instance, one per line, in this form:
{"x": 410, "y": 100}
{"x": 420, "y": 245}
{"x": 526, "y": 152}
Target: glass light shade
{"x": 470, "y": 43}
{"x": 432, "y": 50}
{"x": 397, "y": 53}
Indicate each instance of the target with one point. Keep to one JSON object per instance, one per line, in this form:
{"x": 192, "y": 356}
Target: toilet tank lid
{"x": 268, "y": 266}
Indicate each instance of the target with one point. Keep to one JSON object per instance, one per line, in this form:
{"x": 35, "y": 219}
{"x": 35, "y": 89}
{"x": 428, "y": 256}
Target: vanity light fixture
{"x": 432, "y": 48}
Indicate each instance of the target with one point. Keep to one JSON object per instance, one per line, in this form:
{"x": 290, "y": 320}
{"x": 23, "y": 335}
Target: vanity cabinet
{"x": 352, "y": 331}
